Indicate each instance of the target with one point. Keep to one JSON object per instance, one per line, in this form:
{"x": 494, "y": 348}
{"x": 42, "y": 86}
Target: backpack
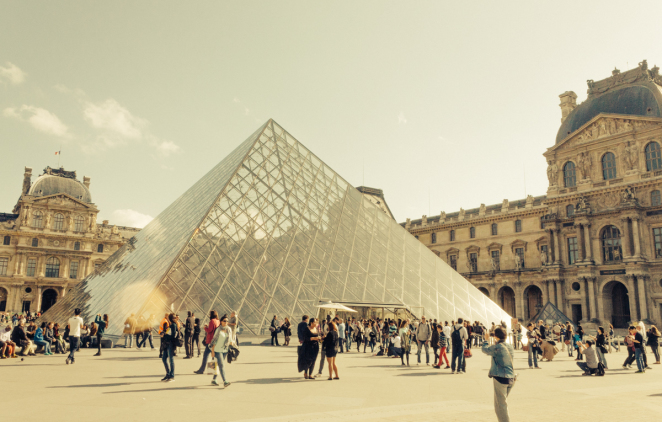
{"x": 179, "y": 338}
{"x": 456, "y": 337}
{"x": 600, "y": 372}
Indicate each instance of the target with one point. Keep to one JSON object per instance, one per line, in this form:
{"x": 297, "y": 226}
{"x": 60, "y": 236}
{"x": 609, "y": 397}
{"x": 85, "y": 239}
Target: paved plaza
{"x": 124, "y": 385}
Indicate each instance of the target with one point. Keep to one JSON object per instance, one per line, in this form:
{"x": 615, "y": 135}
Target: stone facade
{"x": 51, "y": 241}
{"x": 593, "y": 245}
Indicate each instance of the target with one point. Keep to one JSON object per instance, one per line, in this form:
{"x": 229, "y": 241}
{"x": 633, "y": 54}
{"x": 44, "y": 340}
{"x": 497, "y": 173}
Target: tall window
{"x": 569, "y": 177}
{"x": 472, "y": 232}
{"x": 473, "y": 262}
{"x": 453, "y": 260}
{"x": 570, "y": 210}
{"x": 6, "y": 241}
{"x": 434, "y": 237}
{"x": 573, "y": 250}
{"x": 520, "y": 252}
{"x": 32, "y": 265}
{"x": 657, "y": 237}
{"x": 4, "y": 263}
{"x": 611, "y": 244}
{"x": 78, "y": 223}
{"x": 495, "y": 229}
{"x": 73, "y": 270}
{"x": 35, "y": 242}
{"x": 58, "y": 221}
{"x": 653, "y": 157}
{"x": 495, "y": 259}
{"x": 655, "y": 198}
{"x": 100, "y": 247}
{"x": 452, "y": 235}
{"x": 518, "y": 226}
{"x": 52, "y": 267}
{"x": 37, "y": 220}
{"x": 609, "y": 166}
{"x": 76, "y": 246}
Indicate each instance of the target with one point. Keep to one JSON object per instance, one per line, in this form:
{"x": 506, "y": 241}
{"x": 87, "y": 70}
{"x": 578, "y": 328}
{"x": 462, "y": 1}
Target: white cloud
{"x": 110, "y": 115}
{"x": 167, "y": 147}
{"x": 41, "y": 119}
{"x": 130, "y": 218}
{"x": 402, "y": 120}
{"x": 12, "y": 73}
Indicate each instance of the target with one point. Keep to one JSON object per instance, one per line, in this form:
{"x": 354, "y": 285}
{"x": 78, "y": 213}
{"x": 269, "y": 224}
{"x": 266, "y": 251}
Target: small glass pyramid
{"x": 550, "y": 314}
{"x": 272, "y": 230}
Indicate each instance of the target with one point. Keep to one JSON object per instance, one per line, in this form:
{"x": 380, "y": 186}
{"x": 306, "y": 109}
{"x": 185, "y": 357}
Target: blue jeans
{"x": 639, "y": 357}
{"x": 535, "y": 356}
{"x": 205, "y": 356}
{"x": 458, "y": 353}
{"x": 168, "y": 353}
{"x": 349, "y": 341}
{"x": 46, "y": 344}
{"x": 220, "y": 357}
{"x": 128, "y": 337}
{"x": 601, "y": 357}
{"x": 73, "y": 346}
{"x": 422, "y": 344}
{"x": 585, "y": 368}
{"x": 146, "y": 336}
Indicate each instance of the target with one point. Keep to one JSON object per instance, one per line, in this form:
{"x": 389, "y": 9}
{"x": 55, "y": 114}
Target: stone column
{"x": 41, "y": 266}
{"x": 632, "y": 297}
{"x": 635, "y": 230}
{"x": 601, "y": 305}
{"x": 627, "y": 250}
{"x": 64, "y": 268}
{"x": 587, "y": 243}
{"x": 585, "y": 311}
{"x": 38, "y": 299}
{"x": 591, "y": 297}
{"x": 550, "y": 292}
{"x": 545, "y": 295}
{"x": 17, "y": 264}
{"x": 557, "y": 253}
{"x": 559, "y": 294}
{"x": 642, "y": 297}
{"x": 519, "y": 309}
{"x": 581, "y": 256}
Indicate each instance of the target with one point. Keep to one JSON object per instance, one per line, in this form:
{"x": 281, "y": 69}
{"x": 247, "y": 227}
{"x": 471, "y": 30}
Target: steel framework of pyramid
{"x": 272, "y": 230}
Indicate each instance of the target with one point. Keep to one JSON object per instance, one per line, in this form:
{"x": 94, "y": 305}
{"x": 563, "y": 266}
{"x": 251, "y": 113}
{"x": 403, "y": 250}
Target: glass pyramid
{"x": 272, "y": 230}
{"x": 550, "y": 314}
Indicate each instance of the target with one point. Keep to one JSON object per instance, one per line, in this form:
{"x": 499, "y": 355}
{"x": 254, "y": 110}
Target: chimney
{"x": 27, "y": 180}
{"x": 568, "y": 103}
{"x": 86, "y": 182}
{"x": 105, "y": 222}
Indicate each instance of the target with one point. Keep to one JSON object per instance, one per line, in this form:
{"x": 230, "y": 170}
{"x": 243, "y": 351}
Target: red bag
{"x": 467, "y": 353}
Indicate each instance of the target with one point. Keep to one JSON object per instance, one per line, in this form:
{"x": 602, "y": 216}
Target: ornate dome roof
{"x": 635, "y": 92}
{"x": 59, "y": 181}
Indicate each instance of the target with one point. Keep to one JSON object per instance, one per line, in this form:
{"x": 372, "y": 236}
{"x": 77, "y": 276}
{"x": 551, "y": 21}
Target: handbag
{"x": 567, "y": 342}
{"x": 603, "y": 349}
{"x": 467, "y": 353}
{"x": 525, "y": 348}
{"x": 272, "y": 329}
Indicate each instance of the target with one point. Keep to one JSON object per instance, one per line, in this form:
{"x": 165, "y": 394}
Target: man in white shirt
{"x": 75, "y": 324}
{"x": 341, "y": 335}
{"x": 423, "y": 335}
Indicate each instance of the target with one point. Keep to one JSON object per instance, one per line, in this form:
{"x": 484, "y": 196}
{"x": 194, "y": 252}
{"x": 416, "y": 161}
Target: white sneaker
{"x": 530, "y": 367}
{"x": 453, "y": 372}
{"x": 427, "y": 364}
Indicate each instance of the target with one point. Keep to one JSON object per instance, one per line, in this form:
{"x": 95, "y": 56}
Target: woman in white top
{"x": 219, "y": 348}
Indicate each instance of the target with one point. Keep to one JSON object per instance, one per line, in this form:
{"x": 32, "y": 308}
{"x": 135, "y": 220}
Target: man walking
{"x": 341, "y": 335}
{"x": 75, "y": 323}
{"x": 188, "y": 334}
{"x": 423, "y": 335}
{"x": 458, "y": 337}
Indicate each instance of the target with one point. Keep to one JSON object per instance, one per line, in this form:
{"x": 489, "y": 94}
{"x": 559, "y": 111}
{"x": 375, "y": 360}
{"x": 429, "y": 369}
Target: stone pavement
{"x": 124, "y": 385}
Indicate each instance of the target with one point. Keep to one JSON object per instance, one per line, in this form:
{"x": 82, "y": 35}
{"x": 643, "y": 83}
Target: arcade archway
{"x": 48, "y": 299}
{"x": 532, "y": 301}
{"x": 507, "y": 300}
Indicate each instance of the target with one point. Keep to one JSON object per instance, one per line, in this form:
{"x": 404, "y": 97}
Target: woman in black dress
{"x": 329, "y": 346}
{"x": 309, "y": 349}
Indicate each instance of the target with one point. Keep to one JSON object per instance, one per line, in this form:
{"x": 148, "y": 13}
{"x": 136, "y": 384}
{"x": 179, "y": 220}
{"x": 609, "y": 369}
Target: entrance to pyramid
{"x": 363, "y": 310}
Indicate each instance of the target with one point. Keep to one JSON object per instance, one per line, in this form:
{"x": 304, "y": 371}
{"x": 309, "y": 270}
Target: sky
{"x": 441, "y": 104}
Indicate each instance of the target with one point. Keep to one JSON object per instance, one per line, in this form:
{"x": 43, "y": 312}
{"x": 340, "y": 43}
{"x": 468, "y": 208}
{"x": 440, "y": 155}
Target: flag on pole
{"x": 57, "y": 152}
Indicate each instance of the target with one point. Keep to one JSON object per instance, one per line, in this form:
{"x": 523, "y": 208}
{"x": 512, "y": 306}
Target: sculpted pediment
{"x": 61, "y": 199}
{"x": 606, "y": 125}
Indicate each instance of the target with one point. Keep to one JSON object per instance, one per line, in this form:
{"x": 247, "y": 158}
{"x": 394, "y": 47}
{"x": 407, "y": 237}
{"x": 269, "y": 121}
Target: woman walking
{"x": 568, "y": 338}
{"x": 219, "y": 348}
{"x": 601, "y": 346}
{"x": 102, "y": 324}
{"x": 329, "y": 346}
{"x": 358, "y": 335}
{"x": 168, "y": 338}
{"x": 287, "y": 331}
{"x": 501, "y": 371}
{"x": 654, "y": 342}
{"x": 405, "y": 340}
{"x": 309, "y": 349}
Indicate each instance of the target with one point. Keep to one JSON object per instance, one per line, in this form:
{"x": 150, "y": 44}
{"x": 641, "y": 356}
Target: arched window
{"x": 609, "y": 166}
{"x": 35, "y": 242}
{"x": 653, "y": 157}
{"x": 569, "y": 177}
{"x": 452, "y": 235}
{"x": 434, "y": 237}
{"x": 58, "y": 221}
{"x": 78, "y": 223}
{"x": 37, "y": 220}
{"x": 611, "y": 244}
{"x": 52, "y": 267}
{"x": 570, "y": 210}
{"x": 472, "y": 232}
{"x": 100, "y": 247}
{"x": 76, "y": 246}
{"x": 655, "y": 198}
{"x": 518, "y": 226}
{"x": 495, "y": 229}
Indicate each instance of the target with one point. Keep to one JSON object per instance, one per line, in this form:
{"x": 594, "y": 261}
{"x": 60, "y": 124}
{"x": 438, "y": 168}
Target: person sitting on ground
{"x": 57, "y": 339}
{"x": 85, "y": 338}
{"x": 8, "y": 347}
{"x": 590, "y": 367}
{"x": 20, "y": 337}
{"x": 39, "y": 340}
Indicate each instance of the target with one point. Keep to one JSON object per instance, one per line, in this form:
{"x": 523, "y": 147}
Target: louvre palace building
{"x": 51, "y": 240}
{"x": 592, "y": 245}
